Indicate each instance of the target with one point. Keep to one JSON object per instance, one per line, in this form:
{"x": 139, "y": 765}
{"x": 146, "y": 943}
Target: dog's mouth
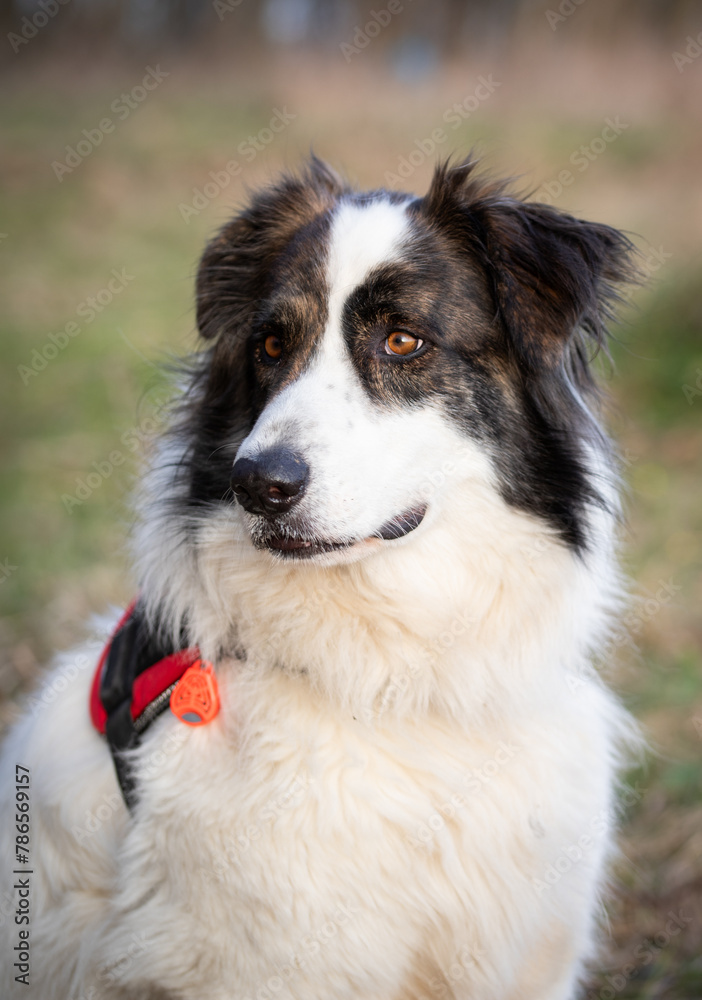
{"x": 302, "y": 547}
{"x": 398, "y": 527}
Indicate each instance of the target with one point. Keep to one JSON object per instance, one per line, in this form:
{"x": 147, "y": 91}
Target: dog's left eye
{"x": 273, "y": 346}
{"x": 402, "y": 344}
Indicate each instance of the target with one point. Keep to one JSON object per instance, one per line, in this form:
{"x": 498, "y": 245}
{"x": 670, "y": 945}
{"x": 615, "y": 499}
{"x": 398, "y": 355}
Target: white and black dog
{"x": 386, "y": 513}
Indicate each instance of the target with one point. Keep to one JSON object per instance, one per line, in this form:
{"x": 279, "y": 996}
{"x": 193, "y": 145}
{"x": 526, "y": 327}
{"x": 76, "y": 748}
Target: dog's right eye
{"x": 402, "y": 344}
{"x": 273, "y": 347}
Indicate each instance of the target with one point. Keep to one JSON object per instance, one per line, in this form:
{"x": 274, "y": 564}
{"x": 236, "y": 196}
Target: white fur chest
{"x": 288, "y": 848}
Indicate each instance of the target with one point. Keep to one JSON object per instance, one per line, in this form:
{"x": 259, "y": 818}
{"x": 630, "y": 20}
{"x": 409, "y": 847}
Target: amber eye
{"x": 402, "y": 343}
{"x": 272, "y": 346}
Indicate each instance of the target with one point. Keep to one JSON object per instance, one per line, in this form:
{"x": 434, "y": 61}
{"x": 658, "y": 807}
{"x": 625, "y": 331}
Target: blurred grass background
{"x": 88, "y": 414}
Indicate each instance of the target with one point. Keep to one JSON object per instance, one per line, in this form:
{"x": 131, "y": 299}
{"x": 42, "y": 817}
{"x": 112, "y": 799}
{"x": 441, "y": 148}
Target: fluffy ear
{"x": 553, "y": 276}
{"x": 232, "y": 271}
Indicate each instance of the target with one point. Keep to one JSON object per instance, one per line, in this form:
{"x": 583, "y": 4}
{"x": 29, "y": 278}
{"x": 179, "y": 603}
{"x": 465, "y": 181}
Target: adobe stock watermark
{"x": 565, "y": 10}
{"x": 581, "y": 158}
{"x": 649, "y": 261}
{"x": 7, "y": 907}
{"x": 691, "y": 392}
{"x": 6, "y": 569}
{"x": 96, "y": 818}
{"x": 87, "y": 310}
{"x": 224, "y": 7}
{"x": 22, "y": 873}
{"x": 540, "y": 544}
{"x": 462, "y": 964}
{"x": 122, "y": 108}
{"x": 454, "y": 116}
{"x": 571, "y": 855}
{"x": 692, "y": 52}
{"x": 475, "y": 779}
{"x": 364, "y": 34}
{"x": 113, "y": 803}
{"x": 400, "y": 683}
{"x": 645, "y": 953}
{"x": 132, "y": 439}
{"x": 285, "y": 798}
{"x": 248, "y": 149}
{"x": 114, "y": 973}
{"x": 31, "y": 26}
{"x": 642, "y": 611}
{"x": 308, "y": 947}
{"x": 457, "y": 466}
{"x": 653, "y": 259}
{"x": 59, "y": 680}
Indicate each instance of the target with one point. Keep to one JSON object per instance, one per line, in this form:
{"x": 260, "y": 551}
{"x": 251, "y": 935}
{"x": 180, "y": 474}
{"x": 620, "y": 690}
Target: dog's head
{"x": 371, "y": 353}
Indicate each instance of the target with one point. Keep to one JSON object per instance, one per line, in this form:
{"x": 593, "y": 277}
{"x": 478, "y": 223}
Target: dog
{"x": 380, "y": 537}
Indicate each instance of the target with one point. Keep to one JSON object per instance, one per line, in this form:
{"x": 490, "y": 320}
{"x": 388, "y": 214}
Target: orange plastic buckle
{"x": 195, "y": 698}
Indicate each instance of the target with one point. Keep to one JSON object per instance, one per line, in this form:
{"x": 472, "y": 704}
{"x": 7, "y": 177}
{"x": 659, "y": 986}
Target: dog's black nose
{"x": 270, "y": 483}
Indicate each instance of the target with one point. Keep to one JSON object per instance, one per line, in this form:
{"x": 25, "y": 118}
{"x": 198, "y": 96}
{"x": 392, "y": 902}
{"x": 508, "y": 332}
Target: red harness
{"x": 129, "y": 690}
{"x": 148, "y": 685}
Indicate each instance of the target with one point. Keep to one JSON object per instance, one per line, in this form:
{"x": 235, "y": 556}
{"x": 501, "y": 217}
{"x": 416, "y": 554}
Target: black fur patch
{"x": 264, "y": 272}
{"x": 553, "y": 280}
{"x": 510, "y": 299}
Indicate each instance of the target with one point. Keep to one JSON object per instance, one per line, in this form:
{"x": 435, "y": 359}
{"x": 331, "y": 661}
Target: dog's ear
{"x": 232, "y": 273}
{"x": 552, "y": 275}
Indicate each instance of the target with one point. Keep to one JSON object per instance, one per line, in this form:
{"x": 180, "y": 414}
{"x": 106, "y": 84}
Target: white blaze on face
{"x": 367, "y": 463}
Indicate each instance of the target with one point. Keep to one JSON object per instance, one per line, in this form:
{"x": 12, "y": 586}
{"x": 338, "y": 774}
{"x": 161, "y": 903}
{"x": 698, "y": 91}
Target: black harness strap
{"x": 132, "y": 650}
